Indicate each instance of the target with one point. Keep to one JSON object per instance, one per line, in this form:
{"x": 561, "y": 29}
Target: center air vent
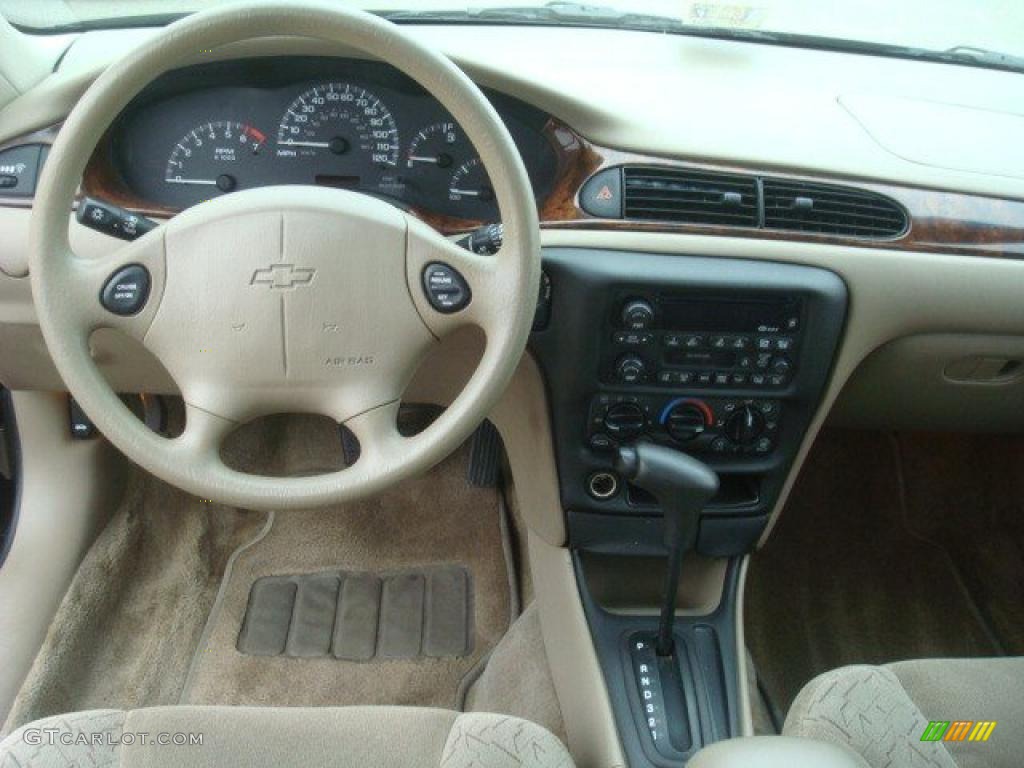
{"x": 803, "y": 207}
{"x": 691, "y": 197}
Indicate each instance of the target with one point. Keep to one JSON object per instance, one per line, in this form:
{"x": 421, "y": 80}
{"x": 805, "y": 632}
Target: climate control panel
{"x": 693, "y": 423}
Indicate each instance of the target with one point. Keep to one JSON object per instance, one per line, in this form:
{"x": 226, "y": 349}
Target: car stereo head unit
{"x": 703, "y": 342}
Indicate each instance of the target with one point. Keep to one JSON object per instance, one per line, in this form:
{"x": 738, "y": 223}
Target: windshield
{"x": 979, "y": 32}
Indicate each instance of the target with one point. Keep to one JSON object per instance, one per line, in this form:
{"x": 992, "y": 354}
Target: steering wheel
{"x": 287, "y": 298}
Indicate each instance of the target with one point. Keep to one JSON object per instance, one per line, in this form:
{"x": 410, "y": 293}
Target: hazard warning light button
{"x": 602, "y": 194}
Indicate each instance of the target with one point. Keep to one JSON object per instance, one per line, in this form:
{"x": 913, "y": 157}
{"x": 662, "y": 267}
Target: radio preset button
{"x": 672, "y": 340}
{"x": 693, "y": 342}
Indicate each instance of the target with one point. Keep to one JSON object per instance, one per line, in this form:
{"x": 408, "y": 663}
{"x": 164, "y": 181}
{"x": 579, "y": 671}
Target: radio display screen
{"x": 707, "y": 314}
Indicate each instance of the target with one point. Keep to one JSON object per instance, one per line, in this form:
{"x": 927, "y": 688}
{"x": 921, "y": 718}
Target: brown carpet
{"x": 150, "y": 620}
{"x": 966, "y": 494}
{"x": 888, "y": 550}
{"x": 125, "y": 632}
{"x": 432, "y": 520}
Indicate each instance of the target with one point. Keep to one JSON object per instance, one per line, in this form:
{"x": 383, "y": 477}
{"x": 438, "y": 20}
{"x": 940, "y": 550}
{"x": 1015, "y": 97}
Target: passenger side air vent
{"x": 820, "y": 208}
{"x": 689, "y": 196}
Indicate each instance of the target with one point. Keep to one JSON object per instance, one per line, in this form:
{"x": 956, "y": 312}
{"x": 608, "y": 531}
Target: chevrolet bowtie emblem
{"x": 283, "y": 276}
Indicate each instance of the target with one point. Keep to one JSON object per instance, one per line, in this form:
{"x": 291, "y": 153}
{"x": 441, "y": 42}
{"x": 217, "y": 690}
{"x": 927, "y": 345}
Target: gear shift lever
{"x": 682, "y": 485}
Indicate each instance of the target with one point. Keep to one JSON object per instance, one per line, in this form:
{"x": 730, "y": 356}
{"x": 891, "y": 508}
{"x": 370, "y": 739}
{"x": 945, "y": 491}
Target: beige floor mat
{"x": 437, "y": 519}
{"x": 126, "y": 630}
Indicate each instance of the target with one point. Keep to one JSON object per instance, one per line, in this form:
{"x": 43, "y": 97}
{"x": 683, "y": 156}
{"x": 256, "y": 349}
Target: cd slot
{"x": 700, "y": 358}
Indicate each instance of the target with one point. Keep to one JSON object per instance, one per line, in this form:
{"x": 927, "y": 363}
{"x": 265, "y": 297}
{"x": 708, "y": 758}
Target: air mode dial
{"x": 745, "y": 425}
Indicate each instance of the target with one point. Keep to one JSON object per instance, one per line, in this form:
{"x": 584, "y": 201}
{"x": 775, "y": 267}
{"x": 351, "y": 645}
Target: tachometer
{"x": 215, "y": 154}
{"x": 339, "y": 119}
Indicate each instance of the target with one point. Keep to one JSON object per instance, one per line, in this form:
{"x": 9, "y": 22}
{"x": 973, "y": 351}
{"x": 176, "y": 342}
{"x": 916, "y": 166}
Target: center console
{"x": 723, "y": 359}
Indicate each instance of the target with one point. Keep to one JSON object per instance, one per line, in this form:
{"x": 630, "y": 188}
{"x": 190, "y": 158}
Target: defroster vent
{"x": 688, "y": 196}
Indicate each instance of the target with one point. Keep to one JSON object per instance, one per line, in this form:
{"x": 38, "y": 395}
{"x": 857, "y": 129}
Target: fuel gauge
{"x": 437, "y": 145}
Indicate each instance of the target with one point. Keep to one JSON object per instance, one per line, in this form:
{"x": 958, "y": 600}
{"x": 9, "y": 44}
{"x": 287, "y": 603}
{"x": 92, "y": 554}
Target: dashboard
{"x": 209, "y": 130}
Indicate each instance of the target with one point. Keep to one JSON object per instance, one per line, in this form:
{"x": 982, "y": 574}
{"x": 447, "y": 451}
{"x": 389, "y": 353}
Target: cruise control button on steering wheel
{"x": 126, "y": 291}
{"x": 447, "y": 291}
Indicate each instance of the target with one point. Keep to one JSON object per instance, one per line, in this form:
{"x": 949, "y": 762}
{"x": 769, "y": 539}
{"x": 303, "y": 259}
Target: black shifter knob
{"x": 682, "y": 485}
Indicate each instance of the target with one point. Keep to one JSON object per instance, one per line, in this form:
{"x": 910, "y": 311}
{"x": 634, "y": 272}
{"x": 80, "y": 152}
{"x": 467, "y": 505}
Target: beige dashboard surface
{"x": 943, "y": 135}
{"x": 703, "y": 99}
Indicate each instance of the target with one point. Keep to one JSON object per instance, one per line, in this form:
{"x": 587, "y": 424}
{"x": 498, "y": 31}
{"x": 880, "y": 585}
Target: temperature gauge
{"x": 470, "y": 182}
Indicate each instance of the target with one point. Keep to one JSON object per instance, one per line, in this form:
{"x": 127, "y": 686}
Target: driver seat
{"x": 257, "y": 737}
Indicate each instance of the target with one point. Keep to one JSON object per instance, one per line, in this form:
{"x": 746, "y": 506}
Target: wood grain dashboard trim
{"x": 940, "y": 221}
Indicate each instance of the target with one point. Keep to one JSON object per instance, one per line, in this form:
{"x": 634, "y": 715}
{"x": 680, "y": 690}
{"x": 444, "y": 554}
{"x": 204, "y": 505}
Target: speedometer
{"x": 339, "y": 119}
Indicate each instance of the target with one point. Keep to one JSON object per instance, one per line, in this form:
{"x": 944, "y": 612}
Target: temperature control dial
{"x": 686, "y": 420}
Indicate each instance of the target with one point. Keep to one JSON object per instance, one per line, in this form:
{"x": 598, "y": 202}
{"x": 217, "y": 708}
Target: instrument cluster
{"x": 209, "y": 130}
